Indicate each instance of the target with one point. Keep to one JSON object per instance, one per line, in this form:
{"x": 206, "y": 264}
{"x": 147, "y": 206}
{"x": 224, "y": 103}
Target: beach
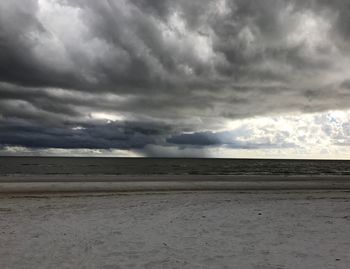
{"x": 208, "y": 229}
{"x": 134, "y": 183}
{"x": 103, "y": 213}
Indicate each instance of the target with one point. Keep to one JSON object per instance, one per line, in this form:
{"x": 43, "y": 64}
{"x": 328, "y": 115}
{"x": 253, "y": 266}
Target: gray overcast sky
{"x": 219, "y": 78}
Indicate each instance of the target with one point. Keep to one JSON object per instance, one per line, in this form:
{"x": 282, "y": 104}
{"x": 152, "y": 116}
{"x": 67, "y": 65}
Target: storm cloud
{"x": 138, "y": 74}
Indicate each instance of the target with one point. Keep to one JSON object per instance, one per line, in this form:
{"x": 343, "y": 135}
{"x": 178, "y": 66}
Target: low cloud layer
{"x": 150, "y": 76}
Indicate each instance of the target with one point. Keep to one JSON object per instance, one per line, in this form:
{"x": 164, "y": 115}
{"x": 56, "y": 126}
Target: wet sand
{"x": 251, "y": 229}
{"x": 132, "y": 183}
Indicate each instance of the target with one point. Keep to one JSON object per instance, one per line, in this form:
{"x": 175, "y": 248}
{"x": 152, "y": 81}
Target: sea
{"x": 168, "y": 166}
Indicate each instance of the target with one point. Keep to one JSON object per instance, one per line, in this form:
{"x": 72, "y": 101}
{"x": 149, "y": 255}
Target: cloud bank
{"x": 156, "y": 76}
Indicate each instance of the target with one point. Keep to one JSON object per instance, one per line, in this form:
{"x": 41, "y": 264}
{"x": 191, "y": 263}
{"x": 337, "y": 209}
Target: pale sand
{"x": 257, "y": 229}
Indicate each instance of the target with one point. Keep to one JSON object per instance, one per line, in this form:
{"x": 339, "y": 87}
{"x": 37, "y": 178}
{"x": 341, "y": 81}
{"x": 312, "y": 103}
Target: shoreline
{"x": 145, "y": 183}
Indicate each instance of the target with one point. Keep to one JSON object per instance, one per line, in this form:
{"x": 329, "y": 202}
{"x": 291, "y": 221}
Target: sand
{"x": 256, "y": 229}
{"x": 125, "y": 183}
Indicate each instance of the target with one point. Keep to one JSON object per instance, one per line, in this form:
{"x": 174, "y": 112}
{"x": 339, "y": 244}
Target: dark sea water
{"x": 149, "y": 166}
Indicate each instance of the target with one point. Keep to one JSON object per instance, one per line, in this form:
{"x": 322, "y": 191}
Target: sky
{"x": 175, "y": 78}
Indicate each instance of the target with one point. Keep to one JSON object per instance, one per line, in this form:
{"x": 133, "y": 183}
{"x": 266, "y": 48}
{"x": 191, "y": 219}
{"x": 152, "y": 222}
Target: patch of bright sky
{"x": 109, "y": 117}
{"x": 317, "y": 135}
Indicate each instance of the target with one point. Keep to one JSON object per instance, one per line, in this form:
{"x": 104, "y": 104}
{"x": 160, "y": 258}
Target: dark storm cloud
{"x": 125, "y": 135}
{"x": 196, "y": 139}
{"x": 228, "y": 139}
{"x": 19, "y": 27}
{"x": 186, "y": 65}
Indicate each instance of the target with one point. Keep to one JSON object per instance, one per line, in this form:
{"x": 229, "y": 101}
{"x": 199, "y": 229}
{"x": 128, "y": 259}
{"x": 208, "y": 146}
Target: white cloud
{"x": 317, "y": 135}
{"x": 23, "y": 151}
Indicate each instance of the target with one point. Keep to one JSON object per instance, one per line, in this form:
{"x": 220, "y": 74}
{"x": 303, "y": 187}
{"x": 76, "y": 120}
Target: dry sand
{"x": 257, "y": 229}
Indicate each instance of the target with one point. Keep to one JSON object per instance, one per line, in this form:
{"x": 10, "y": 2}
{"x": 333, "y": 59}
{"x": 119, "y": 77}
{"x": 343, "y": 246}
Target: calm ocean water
{"x": 143, "y": 166}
